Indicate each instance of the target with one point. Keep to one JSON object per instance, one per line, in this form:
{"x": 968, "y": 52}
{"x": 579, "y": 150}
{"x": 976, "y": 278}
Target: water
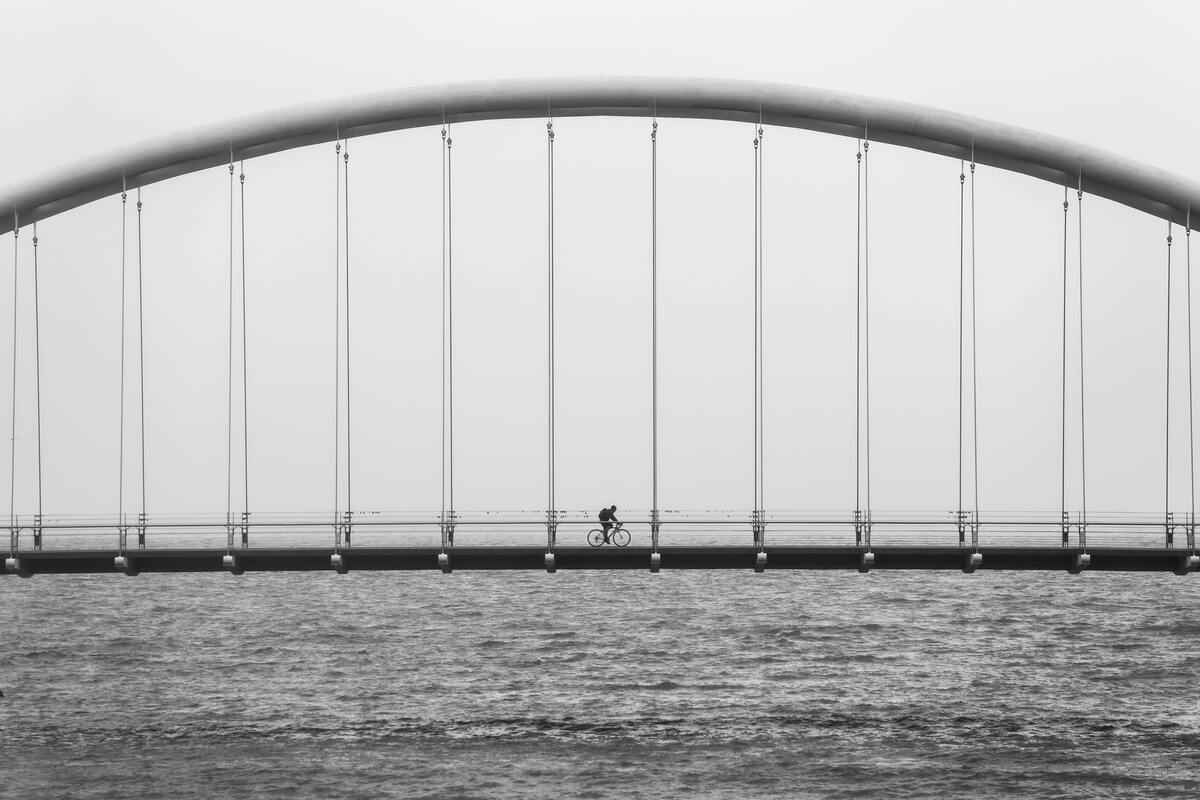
{"x": 605, "y": 685}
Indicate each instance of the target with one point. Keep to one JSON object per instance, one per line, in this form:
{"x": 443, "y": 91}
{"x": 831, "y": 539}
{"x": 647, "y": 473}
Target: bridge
{"x": 760, "y": 534}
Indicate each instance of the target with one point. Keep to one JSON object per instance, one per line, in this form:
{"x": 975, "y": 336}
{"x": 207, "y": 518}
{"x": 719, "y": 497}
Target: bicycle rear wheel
{"x": 620, "y": 537}
{"x": 595, "y": 537}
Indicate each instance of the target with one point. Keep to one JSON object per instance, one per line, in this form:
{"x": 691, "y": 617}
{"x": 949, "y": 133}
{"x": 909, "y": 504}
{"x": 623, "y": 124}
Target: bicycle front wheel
{"x": 595, "y": 537}
{"x": 620, "y": 537}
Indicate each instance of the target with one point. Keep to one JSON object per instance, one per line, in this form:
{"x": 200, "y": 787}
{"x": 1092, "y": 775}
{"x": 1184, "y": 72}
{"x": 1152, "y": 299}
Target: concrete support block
{"x": 972, "y": 562}
{"x": 17, "y": 567}
{"x": 232, "y": 563}
{"x": 865, "y": 562}
{"x": 444, "y": 563}
{"x": 655, "y": 561}
{"x": 338, "y": 562}
{"x": 550, "y": 565}
{"x": 760, "y": 561}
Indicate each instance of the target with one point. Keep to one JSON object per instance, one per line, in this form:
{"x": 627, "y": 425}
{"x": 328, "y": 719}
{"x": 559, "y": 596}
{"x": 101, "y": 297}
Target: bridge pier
{"x": 17, "y": 567}
{"x": 972, "y": 562}
{"x": 233, "y": 564}
{"x": 865, "y": 562}
{"x": 1079, "y": 563}
{"x": 125, "y": 564}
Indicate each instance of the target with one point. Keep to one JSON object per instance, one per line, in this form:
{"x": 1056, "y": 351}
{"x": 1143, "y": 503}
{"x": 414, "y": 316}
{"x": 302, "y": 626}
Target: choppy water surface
{"x": 606, "y": 685}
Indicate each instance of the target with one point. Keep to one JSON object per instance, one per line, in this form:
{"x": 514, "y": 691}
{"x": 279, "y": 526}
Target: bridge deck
{"x": 1066, "y": 559}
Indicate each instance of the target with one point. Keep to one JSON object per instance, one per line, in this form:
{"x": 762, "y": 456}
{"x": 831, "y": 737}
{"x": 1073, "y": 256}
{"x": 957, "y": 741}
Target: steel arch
{"x": 1059, "y": 161}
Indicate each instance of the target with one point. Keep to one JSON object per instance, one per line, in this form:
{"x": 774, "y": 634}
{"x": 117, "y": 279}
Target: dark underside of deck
{"x": 57, "y": 562}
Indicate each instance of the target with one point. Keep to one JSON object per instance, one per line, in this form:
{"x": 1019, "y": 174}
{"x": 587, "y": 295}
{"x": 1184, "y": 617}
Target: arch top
{"x": 1050, "y": 158}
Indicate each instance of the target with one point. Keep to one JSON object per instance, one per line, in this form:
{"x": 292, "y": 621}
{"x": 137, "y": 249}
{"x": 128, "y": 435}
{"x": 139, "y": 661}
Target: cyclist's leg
{"x": 607, "y": 528}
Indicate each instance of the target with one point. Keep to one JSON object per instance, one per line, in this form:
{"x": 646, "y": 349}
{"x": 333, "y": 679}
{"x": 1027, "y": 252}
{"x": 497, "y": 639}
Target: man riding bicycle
{"x": 608, "y": 516}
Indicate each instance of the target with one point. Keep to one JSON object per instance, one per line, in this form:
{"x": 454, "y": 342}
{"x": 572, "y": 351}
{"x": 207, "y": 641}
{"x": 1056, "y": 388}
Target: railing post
{"x": 14, "y": 539}
{"x": 1191, "y": 532}
{"x": 37, "y": 531}
{"x": 858, "y": 528}
{"x": 1066, "y": 527}
{"x": 348, "y": 525}
{"x": 960, "y": 518}
{"x": 123, "y": 562}
{"x": 551, "y": 539}
{"x": 337, "y": 531}
{"x": 758, "y": 523}
{"x": 447, "y": 542}
{"x": 975, "y": 531}
{"x": 245, "y": 529}
{"x": 867, "y": 530}
{"x": 228, "y": 533}
{"x": 1170, "y": 528}
{"x": 141, "y": 531}
{"x": 655, "y": 556}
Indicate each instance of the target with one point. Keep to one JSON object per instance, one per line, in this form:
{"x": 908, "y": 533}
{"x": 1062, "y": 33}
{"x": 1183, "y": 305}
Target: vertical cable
{"x": 1063, "y": 456}
{"x": 349, "y": 439}
{"x": 121, "y": 425}
{"x": 762, "y": 151}
{"x": 550, "y": 317}
{"x": 442, "y": 147}
{"x": 37, "y": 366}
{"x": 245, "y": 382}
{"x": 1167, "y": 400}
{"x": 450, "y": 316}
{"x": 962, "y": 181}
{"x": 867, "y": 316}
{"x": 858, "y": 334}
{"x": 141, "y": 360}
{"x": 12, "y": 469}
{"x": 229, "y": 381}
{"x": 654, "y": 325}
{"x": 1082, "y": 419}
{"x": 757, "y": 255}
{"x": 1191, "y": 407}
{"x": 974, "y": 359}
{"x": 337, "y": 336}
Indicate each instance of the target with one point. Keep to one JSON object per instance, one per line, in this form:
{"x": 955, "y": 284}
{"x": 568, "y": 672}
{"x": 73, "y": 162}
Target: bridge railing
{"x": 713, "y": 528}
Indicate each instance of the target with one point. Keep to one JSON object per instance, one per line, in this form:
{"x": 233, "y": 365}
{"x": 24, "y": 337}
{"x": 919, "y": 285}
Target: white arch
{"x": 1050, "y": 158}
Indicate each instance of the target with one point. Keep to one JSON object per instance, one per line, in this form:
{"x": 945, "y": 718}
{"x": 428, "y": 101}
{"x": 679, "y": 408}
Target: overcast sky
{"x": 86, "y": 78}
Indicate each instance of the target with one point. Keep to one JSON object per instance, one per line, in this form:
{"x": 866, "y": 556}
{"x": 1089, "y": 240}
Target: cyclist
{"x": 607, "y": 517}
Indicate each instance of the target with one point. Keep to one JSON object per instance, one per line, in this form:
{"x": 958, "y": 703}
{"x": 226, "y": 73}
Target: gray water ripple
{"x": 721, "y": 684}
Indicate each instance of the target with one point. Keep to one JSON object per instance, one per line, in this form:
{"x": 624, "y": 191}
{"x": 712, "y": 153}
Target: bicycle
{"x": 618, "y": 536}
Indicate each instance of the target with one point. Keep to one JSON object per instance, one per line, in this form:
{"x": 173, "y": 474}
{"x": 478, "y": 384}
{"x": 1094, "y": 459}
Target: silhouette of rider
{"x": 607, "y": 517}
